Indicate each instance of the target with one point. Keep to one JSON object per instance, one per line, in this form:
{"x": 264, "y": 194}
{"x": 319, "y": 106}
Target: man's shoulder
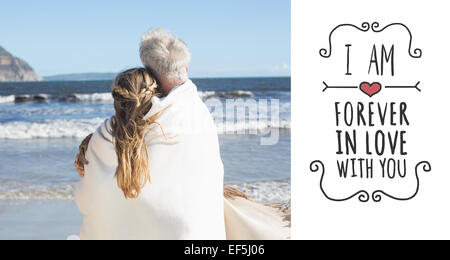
{"x": 189, "y": 115}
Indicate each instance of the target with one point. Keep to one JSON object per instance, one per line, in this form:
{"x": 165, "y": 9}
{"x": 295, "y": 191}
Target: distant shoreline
{"x": 110, "y": 76}
{"x": 81, "y": 77}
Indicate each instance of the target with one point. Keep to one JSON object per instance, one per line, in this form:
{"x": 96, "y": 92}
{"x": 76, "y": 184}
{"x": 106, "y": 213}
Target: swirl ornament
{"x": 377, "y": 195}
{"x": 365, "y": 27}
{"x": 417, "y": 52}
{"x": 363, "y": 196}
{"x": 327, "y": 53}
{"x": 315, "y": 166}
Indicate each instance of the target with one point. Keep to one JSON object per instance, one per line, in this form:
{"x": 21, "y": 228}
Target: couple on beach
{"x": 154, "y": 170}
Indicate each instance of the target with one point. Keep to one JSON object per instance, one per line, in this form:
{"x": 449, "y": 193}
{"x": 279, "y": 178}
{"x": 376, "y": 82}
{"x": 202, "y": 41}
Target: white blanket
{"x": 185, "y": 197}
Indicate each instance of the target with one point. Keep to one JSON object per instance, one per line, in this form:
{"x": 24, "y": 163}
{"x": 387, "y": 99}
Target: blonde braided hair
{"x": 132, "y": 92}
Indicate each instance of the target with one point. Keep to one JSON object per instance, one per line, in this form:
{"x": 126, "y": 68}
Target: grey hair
{"x": 165, "y": 55}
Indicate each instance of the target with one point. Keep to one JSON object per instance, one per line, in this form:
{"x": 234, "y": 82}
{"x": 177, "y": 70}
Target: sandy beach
{"x": 58, "y": 220}
{"x": 54, "y": 220}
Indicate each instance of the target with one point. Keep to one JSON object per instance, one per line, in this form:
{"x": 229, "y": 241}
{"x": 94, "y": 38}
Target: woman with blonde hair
{"x": 152, "y": 171}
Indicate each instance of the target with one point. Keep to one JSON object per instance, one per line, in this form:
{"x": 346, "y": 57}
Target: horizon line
{"x": 193, "y": 77}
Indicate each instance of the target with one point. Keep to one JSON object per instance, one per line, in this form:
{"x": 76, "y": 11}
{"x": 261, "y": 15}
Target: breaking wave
{"x": 267, "y": 192}
{"x": 75, "y": 128}
{"x": 79, "y": 128}
{"x": 107, "y": 97}
{"x": 7, "y": 99}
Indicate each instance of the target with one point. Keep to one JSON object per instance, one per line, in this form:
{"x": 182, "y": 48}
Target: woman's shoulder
{"x": 101, "y": 151}
{"x": 103, "y": 132}
{"x": 102, "y": 138}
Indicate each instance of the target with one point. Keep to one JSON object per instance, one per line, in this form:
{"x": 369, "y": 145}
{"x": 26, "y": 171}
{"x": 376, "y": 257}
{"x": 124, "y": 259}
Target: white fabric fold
{"x": 247, "y": 220}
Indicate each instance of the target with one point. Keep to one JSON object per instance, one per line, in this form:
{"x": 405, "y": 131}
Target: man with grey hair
{"x": 165, "y": 57}
{"x": 194, "y": 164}
{"x": 191, "y": 168}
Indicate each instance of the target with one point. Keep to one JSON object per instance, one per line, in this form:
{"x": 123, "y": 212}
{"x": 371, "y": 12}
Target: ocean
{"x": 42, "y": 123}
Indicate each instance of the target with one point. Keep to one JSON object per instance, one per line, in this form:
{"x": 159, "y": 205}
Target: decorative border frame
{"x": 317, "y": 165}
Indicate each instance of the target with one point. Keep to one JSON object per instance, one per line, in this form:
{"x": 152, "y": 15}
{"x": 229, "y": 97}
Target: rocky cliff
{"x": 15, "y": 69}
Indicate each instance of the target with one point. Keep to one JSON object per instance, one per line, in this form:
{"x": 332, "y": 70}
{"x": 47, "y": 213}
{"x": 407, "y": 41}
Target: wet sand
{"x": 38, "y": 220}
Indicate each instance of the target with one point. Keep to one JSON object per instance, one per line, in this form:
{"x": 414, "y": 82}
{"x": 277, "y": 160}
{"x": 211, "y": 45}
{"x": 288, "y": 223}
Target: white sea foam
{"x": 24, "y": 98}
{"x": 79, "y": 128}
{"x": 266, "y": 192}
{"x": 75, "y": 128}
{"x": 227, "y": 94}
{"x": 7, "y": 99}
{"x": 244, "y": 93}
{"x": 251, "y": 126}
{"x": 95, "y": 97}
{"x": 206, "y": 94}
{"x": 31, "y": 98}
{"x": 62, "y": 192}
{"x": 107, "y": 97}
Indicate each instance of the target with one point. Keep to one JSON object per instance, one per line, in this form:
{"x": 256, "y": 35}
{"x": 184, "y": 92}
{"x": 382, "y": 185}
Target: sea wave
{"x": 32, "y": 98}
{"x": 21, "y": 98}
{"x": 251, "y": 126}
{"x": 79, "y": 128}
{"x": 266, "y": 192}
{"x": 7, "y": 99}
{"x": 75, "y": 128}
{"x": 225, "y": 94}
{"x": 16, "y": 190}
{"x": 95, "y": 97}
{"x": 107, "y": 97}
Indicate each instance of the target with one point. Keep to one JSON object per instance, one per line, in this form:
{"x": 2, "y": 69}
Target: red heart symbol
{"x": 370, "y": 89}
